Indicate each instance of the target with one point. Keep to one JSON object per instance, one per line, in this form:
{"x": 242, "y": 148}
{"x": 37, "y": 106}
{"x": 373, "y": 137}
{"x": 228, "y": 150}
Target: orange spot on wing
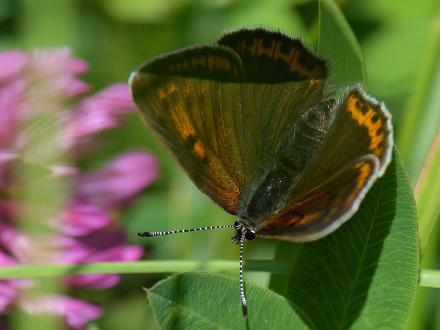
{"x": 364, "y": 173}
{"x": 265, "y": 51}
{"x": 166, "y": 91}
{"x": 309, "y": 217}
{"x": 198, "y": 61}
{"x": 252, "y": 48}
{"x": 182, "y": 122}
{"x": 219, "y": 63}
{"x": 227, "y": 186}
{"x": 314, "y": 82}
{"x": 279, "y": 55}
{"x": 362, "y": 113}
{"x": 316, "y": 73}
{"x": 223, "y": 64}
{"x": 364, "y": 170}
{"x": 199, "y": 149}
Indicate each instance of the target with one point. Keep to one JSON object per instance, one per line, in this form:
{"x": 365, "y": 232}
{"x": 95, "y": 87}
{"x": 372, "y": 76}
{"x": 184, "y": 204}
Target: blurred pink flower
{"x": 98, "y": 247}
{"x": 77, "y": 313}
{"x": 118, "y": 182}
{"x": 98, "y": 112}
{"x": 13, "y": 62}
{"x": 84, "y": 231}
{"x": 8, "y": 289}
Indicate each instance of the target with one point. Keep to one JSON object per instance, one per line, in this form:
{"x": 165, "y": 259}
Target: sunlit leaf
{"x": 422, "y": 116}
{"x": 427, "y": 193}
{"x": 210, "y": 301}
{"x": 338, "y": 44}
{"x": 364, "y": 275}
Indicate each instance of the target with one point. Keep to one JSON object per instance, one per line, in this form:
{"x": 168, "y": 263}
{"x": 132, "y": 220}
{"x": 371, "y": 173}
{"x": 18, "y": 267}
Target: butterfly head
{"x": 242, "y": 231}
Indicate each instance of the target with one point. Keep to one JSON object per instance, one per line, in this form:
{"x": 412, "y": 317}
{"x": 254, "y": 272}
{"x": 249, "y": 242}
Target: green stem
{"x": 430, "y": 278}
{"x": 139, "y": 267}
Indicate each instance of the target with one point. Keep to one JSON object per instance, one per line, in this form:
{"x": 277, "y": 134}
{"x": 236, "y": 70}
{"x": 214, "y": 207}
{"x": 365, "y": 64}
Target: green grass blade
{"x": 422, "y": 116}
{"x": 427, "y": 192}
{"x": 338, "y": 44}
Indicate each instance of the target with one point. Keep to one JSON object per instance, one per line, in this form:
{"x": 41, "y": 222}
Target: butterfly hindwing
{"x": 336, "y": 179}
{"x": 325, "y": 207}
{"x": 361, "y": 126}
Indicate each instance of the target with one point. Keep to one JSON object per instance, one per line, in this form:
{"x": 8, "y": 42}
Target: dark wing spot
{"x": 364, "y": 108}
{"x": 305, "y": 60}
{"x": 285, "y": 48}
{"x": 267, "y": 43}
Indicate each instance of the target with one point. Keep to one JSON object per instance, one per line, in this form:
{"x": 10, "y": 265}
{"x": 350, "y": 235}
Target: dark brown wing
{"x": 323, "y": 209}
{"x": 184, "y": 97}
{"x": 219, "y": 121}
{"x": 272, "y": 57}
{"x": 356, "y": 150}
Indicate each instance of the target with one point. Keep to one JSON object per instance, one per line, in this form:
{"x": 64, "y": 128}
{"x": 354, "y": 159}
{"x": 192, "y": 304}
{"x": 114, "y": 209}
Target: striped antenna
{"x": 241, "y": 235}
{"x": 242, "y": 296}
{"x": 178, "y": 231}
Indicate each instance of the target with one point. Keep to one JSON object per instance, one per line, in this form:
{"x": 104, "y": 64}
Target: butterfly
{"x": 251, "y": 121}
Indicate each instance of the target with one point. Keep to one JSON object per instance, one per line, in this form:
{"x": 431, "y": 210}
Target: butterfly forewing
{"x": 221, "y": 129}
{"x": 191, "y": 117}
{"x": 271, "y": 57}
{"x": 267, "y": 112}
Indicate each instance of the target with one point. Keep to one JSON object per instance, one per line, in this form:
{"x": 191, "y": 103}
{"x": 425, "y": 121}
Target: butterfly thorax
{"x": 271, "y": 186}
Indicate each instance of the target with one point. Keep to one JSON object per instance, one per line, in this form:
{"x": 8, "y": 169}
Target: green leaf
{"x": 422, "y": 116}
{"x": 427, "y": 193}
{"x": 286, "y": 253}
{"x": 338, "y": 44}
{"x": 210, "y": 301}
{"x": 364, "y": 275}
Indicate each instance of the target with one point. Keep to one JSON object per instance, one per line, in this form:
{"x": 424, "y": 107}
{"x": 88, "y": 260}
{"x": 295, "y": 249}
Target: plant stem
{"x": 139, "y": 267}
{"x": 430, "y": 278}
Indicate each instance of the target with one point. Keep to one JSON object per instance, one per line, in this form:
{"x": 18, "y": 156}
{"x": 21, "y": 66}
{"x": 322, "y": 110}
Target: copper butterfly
{"x": 252, "y": 122}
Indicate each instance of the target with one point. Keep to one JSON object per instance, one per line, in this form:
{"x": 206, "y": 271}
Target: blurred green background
{"x": 401, "y": 48}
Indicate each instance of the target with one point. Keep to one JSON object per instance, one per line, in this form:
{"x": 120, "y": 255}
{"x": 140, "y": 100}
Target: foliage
{"x": 397, "y": 44}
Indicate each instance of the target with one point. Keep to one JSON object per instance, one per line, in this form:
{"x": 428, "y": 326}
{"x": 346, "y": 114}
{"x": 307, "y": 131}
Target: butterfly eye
{"x": 249, "y": 235}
